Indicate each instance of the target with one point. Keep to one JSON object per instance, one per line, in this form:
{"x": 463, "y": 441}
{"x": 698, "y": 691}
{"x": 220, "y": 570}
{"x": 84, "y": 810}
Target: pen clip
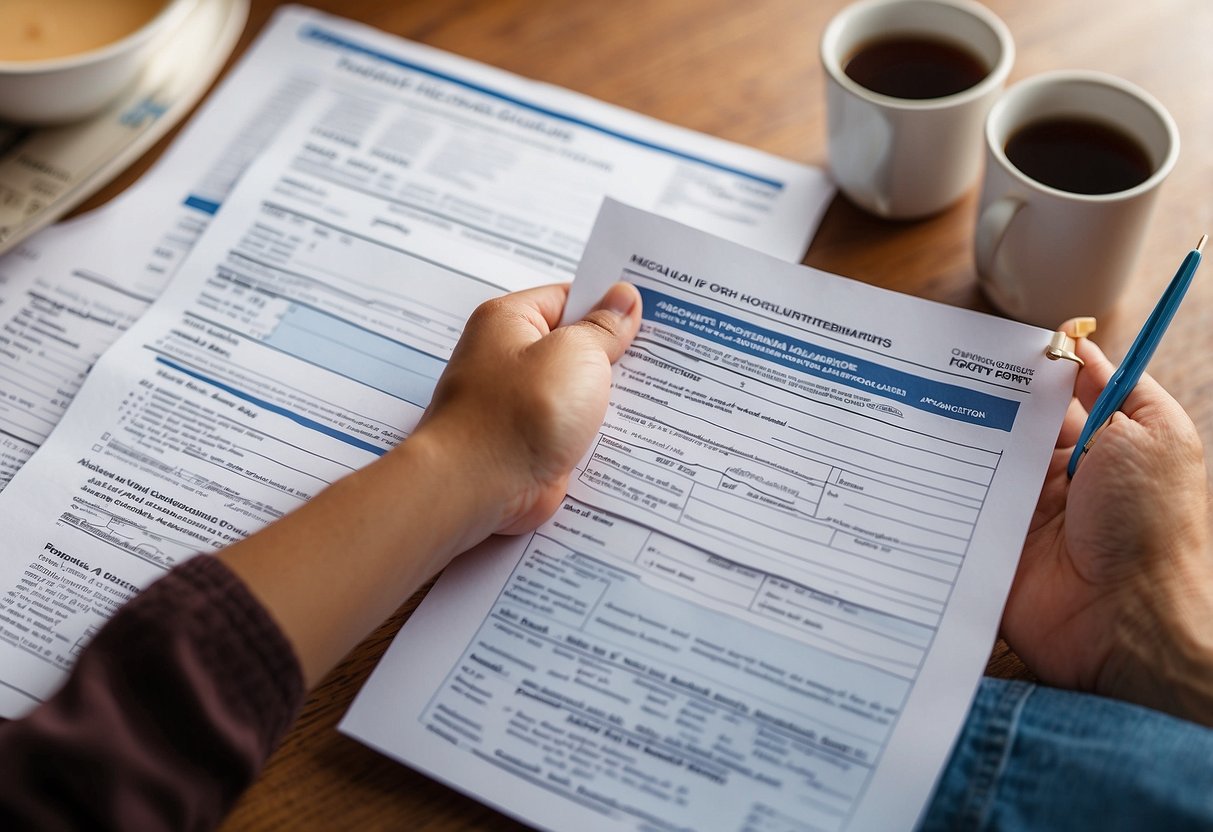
{"x": 1061, "y": 345}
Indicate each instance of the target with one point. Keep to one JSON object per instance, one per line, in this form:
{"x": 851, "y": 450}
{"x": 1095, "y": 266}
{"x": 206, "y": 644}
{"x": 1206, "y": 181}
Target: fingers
{"x": 1094, "y": 374}
{"x": 613, "y": 322}
{"x": 548, "y": 301}
{"x": 524, "y": 320}
{"x": 1146, "y": 397}
{"x": 523, "y": 317}
{"x": 532, "y": 313}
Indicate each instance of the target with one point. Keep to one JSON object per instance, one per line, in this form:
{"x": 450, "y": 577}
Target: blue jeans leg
{"x": 1038, "y": 758}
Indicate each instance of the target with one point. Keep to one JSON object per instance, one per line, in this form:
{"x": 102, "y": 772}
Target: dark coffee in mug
{"x": 914, "y": 67}
{"x": 1079, "y": 155}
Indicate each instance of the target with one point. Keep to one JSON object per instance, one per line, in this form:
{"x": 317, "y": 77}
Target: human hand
{"x": 513, "y": 412}
{"x": 521, "y": 401}
{"x": 1114, "y": 592}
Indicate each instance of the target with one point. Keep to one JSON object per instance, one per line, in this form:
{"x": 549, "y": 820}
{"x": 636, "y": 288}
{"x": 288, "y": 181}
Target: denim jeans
{"x": 1032, "y": 757}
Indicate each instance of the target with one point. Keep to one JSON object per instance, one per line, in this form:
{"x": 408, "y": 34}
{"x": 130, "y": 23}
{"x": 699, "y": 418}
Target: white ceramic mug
{"x": 905, "y": 158}
{"x": 71, "y": 87}
{"x": 1043, "y": 254}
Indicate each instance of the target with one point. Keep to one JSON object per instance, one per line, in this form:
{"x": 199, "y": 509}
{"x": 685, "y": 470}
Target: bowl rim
{"x": 170, "y": 11}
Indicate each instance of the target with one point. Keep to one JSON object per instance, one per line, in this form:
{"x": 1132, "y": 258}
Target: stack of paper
{"x": 361, "y": 195}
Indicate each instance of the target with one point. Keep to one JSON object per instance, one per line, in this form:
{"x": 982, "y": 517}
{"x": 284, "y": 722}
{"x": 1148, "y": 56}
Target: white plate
{"x": 45, "y": 172}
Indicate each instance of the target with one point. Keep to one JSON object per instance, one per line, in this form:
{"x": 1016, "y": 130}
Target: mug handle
{"x": 992, "y": 227}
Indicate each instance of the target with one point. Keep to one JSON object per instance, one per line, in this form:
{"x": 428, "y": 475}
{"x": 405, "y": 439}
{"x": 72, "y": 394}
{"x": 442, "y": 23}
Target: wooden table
{"x": 748, "y": 72}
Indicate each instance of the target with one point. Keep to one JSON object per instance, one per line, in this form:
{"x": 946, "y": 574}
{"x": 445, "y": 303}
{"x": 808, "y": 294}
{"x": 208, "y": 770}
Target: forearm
{"x": 333, "y": 570}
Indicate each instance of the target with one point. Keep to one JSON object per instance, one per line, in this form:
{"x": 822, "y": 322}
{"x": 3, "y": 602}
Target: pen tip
{"x": 1204, "y": 238}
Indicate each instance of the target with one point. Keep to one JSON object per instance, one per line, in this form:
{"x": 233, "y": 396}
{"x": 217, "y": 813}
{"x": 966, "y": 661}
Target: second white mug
{"x": 1045, "y": 250}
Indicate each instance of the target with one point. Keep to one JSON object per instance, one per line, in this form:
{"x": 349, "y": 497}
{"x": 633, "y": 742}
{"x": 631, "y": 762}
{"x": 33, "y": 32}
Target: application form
{"x": 69, "y": 292}
{"x": 493, "y": 155}
{"x": 770, "y": 594}
{"x": 303, "y": 335}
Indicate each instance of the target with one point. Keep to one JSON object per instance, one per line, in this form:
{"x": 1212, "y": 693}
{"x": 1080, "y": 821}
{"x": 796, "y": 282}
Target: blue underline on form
{"x": 204, "y": 205}
{"x": 281, "y": 411}
{"x": 951, "y": 401}
{"x": 317, "y": 34}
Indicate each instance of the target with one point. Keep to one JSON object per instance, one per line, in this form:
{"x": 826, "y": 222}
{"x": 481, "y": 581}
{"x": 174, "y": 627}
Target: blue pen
{"x": 1129, "y": 372}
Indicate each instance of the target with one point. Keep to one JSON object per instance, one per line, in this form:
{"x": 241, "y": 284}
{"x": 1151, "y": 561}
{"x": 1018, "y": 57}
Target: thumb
{"x": 614, "y": 320}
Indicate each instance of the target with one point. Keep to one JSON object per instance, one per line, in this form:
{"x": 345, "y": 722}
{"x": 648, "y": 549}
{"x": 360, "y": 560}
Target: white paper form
{"x": 483, "y": 153}
{"x": 773, "y": 588}
{"x": 69, "y": 292}
{"x": 305, "y": 337}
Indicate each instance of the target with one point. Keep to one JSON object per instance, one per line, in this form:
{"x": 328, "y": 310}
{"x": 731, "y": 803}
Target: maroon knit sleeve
{"x": 167, "y": 716}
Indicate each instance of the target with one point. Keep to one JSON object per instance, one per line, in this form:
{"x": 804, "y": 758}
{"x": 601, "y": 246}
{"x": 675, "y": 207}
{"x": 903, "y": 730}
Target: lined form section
{"x": 773, "y": 585}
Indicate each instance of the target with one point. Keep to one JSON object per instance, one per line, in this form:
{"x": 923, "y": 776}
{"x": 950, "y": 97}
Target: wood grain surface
{"x": 749, "y": 72}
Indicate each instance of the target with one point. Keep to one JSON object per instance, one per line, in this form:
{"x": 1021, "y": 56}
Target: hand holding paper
{"x": 514, "y": 411}
{"x": 524, "y": 401}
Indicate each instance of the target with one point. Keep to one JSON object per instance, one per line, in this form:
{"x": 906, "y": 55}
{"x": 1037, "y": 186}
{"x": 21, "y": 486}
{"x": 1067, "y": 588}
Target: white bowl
{"x": 74, "y": 86}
